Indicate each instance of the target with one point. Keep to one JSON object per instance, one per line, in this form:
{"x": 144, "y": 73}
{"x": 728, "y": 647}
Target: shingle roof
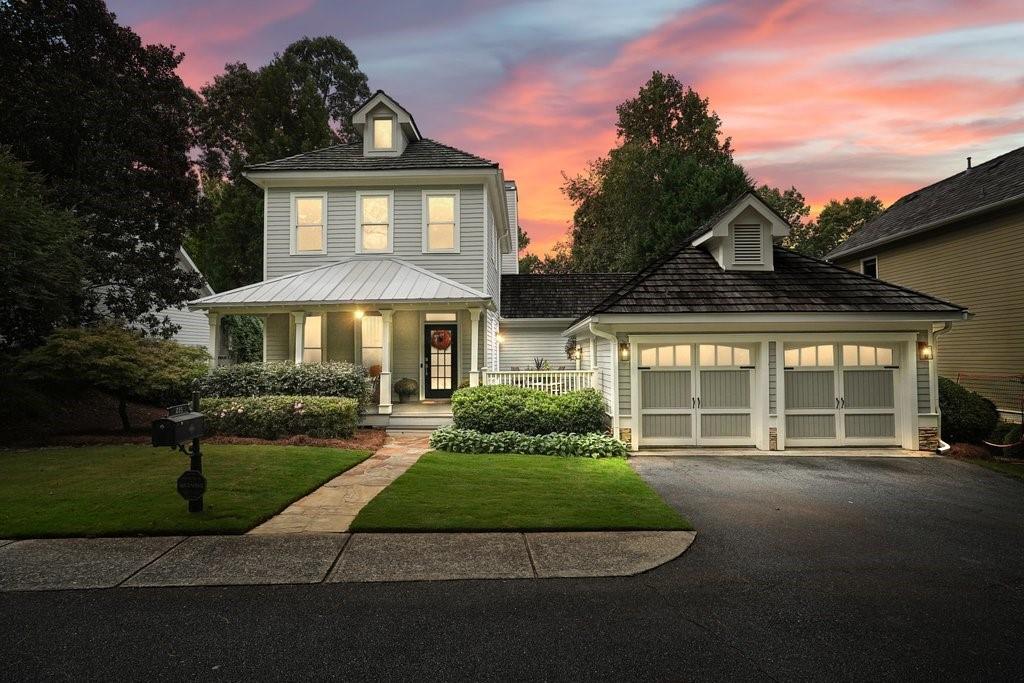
{"x": 361, "y": 279}
{"x": 691, "y": 281}
{"x": 418, "y": 154}
{"x": 985, "y": 186}
{"x": 556, "y": 296}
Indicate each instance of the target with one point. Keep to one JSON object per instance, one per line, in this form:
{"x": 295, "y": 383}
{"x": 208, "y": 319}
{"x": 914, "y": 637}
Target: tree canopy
{"x": 836, "y": 222}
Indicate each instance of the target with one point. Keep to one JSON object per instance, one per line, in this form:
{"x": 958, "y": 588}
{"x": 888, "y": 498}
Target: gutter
{"x": 946, "y": 327}
{"x": 614, "y": 341}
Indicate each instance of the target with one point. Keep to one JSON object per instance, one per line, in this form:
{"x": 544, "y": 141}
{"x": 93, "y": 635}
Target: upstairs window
{"x": 308, "y": 224}
{"x": 869, "y": 267}
{"x": 375, "y": 222}
{"x": 747, "y": 245}
{"x": 382, "y": 133}
{"x": 441, "y": 221}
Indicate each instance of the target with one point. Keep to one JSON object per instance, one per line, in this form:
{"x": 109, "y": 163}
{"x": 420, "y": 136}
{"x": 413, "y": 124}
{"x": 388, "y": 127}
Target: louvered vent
{"x": 747, "y": 244}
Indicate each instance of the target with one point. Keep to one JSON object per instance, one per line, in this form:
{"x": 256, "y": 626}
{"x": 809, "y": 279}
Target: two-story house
{"x": 399, "y": 253}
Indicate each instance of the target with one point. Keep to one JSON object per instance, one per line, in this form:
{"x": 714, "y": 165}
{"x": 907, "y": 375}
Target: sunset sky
{"x": 836, "y": 98}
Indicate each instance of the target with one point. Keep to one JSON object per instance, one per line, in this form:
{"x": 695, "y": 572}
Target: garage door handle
{"x": 693, "y": 403}
{"x": 844, "y": 402}
{"x": 837, "y": 404}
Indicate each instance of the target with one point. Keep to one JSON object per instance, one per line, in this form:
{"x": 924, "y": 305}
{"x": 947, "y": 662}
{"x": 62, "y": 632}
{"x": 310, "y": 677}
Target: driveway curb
{"x": 80, "y": 563}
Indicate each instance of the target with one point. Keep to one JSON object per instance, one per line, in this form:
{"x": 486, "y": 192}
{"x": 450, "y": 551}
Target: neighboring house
{"x": 399, "y": 253}
{"x": 961, "y": 239}
{"x": 194, "y": 327}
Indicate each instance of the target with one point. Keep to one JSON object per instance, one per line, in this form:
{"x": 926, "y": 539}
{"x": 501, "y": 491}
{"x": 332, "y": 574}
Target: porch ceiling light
{"x": 925, "y": 351}
{"x": 624, "y": 350}
{"x": 358, "y": 313}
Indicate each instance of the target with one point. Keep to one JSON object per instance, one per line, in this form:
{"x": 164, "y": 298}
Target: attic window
{"x": 747, "y": 248}
{"x": 382, "y": 129}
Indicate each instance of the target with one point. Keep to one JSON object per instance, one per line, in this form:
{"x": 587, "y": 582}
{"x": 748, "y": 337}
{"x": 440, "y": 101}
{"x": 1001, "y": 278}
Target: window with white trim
{"x": 858, "y": 355}
{"x": 810, "y": 356}
{"x": 312, "y": 339}
{"x": 308, "y": 224}
{"x": 383, "y": 133}
{"x": 441, "y": 221}
{"x": 440, "y": 317}
{"x": 372, "y": 335}
{"x": 747, "y": 245}
{"x": 375, "y": 222}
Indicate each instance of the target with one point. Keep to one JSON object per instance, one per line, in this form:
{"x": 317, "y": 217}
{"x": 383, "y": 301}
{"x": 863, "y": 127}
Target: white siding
{"x": 492, "y": 261}
{"x": 603, "y": 352}
{"x": 625, "y": 398}
{"x": 195, "y": 326}
{"x": 523, "y": 344}
{"x": 510, "y": 262}
{"x": 490, "y": 340}
{"x": 465, "y": 267}
{"x": 277, "y": 342}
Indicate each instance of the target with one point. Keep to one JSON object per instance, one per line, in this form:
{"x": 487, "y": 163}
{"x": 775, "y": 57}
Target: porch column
{"x": 385, "y": 362}
{"x": 474, "y": 357}
{"x": 300, "y": 336}
{"x": 214, "y": 319}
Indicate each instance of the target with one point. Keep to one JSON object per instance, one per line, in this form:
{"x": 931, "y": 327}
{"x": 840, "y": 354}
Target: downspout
{"x": 946, "y": 327}
{"x": 614, "y": 341}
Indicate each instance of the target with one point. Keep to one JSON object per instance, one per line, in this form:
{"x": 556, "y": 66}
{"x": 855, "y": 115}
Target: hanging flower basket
{"x": 441, "y": 339}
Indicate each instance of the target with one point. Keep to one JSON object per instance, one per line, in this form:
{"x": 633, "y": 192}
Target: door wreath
{"x": 441, "y": 339}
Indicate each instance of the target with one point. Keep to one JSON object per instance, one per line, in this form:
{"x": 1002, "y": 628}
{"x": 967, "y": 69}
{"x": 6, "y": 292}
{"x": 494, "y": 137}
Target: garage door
{"x": 840, "y": 394}
{"x": 696, "y": 394}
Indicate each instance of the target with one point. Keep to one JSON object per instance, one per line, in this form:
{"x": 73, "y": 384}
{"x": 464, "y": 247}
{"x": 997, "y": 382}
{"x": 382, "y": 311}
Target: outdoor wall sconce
{"x": 577, "y": 352}
{"x": 358, "y": 313}
{"x": 924, "y": 351}
{"x": 500, "y": 338}
{"x": 624, "y": 350}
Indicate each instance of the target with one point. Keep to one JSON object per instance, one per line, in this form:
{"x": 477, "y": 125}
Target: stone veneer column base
{"x": 928, "y": 439}
{"x": 626, "y": 435}
{"x": 773, "y": 438}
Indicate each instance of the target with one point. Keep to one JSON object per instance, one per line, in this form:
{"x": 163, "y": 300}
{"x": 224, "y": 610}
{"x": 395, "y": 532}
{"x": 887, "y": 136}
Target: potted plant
{"x": 406, "y": 388}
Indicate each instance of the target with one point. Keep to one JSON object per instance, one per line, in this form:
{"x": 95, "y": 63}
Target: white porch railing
{"x": 551, "y": 381}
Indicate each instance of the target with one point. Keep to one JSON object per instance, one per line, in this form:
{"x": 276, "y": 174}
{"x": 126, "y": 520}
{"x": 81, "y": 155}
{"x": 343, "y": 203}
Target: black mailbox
{"x": 174, "y": 430}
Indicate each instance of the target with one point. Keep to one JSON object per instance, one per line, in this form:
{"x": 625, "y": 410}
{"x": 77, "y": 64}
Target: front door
{"x": 440, "y": 360}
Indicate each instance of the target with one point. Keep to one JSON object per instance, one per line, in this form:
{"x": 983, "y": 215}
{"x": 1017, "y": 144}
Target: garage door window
{"x": 718, "y": 355}
{"x": 816, "y": 356}
{"x": 666, "y": 356}
{"x": 860, "y": 356}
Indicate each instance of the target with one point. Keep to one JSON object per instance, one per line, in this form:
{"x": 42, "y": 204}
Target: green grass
{"x": 469, "y": 492}
{"x": 1010, "y": 469}
{"x": 130, "y": 489}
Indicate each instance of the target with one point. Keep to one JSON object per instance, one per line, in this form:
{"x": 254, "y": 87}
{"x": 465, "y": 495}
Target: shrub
{"x": 274, "y": 417}
{"x": 500, "y": 408}
{"x": 455, "y": 440}
{"x": 967, "y": 416}
{"x": 1005, "y": 433}
{"x": 287, "y": 379}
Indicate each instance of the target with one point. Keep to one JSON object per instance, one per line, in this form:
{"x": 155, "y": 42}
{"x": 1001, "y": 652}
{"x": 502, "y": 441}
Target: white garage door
{"x": 841, "y": 394}
{"x": 696, "y": 394}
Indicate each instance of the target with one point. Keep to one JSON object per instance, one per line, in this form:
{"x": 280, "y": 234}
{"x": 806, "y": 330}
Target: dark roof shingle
{"x": 556, "y": 296}
{"x": 986, "y": 185}
{"x": 418, "y": 154}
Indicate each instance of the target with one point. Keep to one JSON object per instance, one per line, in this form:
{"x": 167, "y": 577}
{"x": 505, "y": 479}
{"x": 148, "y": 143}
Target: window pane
{"x": 867, "y": 355}
{"x": 372, "y": 357}
{"x": 707, "y": 355}
{"x": 441, "y": 236}
{"x": 375, "y": 238}
{"x": 440, "y": 209}
{"x": 884, "y": 356}
{"x": 683, "y": 354}
{"x": 849, "y": 355}
{"x": 309, "y": 238}
{"x": 741, "y": 356}
{"x": 375, "y": 209}
{"x": 311, "y": 332}
{"x": 373, "y": 331}
{"x": 382, "y": 133}
{"x": 826, "y": 356}
{"x": 442, "y": 317}
{"x": 309, "y": 210}
{"x": 665, "y": 356}
{"x": 807, "y": 357}
{"x": 648, "y": 356}
{"x": 792, "y": 357}
{"x": 724, "y": 355}
{"x": 312, "y": 356}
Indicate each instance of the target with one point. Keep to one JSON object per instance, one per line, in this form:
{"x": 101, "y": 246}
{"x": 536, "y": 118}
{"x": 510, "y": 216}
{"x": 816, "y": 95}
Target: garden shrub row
{"x": 491, "y": 409}
{"x": 287, "y": 379}
{"x": 274, "y": 417}
{"x": 455, "y": 440}
{"x": 967, "y": 416}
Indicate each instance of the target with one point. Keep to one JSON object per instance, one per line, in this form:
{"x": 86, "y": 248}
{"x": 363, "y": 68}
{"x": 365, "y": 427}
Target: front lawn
{"x": 130, "y": 489}
{"x": 1010, "y": 469}
{"x": 470, "y": 492}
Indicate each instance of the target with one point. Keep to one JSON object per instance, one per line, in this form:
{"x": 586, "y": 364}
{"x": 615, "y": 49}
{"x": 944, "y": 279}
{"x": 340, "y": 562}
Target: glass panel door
{"x": 440, "y": 360}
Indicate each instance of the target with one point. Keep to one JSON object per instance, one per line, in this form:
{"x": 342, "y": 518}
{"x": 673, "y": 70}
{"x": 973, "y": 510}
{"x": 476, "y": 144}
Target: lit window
{"x": 309, "y": 224}
{"x": 441, "y": 231}
{"x": 440, "y": 317}
{"x": 668, "y": 356}
{"x": 312, "y": 340}
{"x": 722, "y": 355}
{"x": 869, "y": 267}
{"x": 707, "y": 354}
{"x": 382, "y": 134}
{"x": 375, "y": 222}
{"x": 820, "y": 356}
{"x": 854, "y": 356}
{"x": 372, "y": 328}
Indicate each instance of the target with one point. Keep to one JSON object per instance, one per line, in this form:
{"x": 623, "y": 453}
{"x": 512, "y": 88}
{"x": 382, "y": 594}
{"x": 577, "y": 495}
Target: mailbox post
{"x": 196, "y": 463}
{"x": 182, "y": 424}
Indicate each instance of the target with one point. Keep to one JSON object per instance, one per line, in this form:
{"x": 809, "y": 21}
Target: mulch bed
{"x": 363, "y": 440}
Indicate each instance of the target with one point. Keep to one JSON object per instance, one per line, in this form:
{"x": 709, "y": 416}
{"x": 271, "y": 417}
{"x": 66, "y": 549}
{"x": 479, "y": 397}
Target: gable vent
{"x": 747, "y": 244}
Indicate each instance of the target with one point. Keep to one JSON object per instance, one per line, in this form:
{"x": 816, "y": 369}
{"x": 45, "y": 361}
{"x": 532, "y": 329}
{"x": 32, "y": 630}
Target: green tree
{"x": 790, "y": 204}
{"x": 836, "y": 222}
{"x": 121, "y": 362}
{"x": 40, "y": 269}
{"x": 107, "y": 122}
{"x": 671, "y": 171}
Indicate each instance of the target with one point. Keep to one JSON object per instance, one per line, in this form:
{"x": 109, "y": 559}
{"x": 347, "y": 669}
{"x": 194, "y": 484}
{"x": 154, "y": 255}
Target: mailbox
{"x": 174, "y": 430}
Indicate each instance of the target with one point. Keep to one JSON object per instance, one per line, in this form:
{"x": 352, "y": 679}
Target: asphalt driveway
{"x": 803, "y": 568}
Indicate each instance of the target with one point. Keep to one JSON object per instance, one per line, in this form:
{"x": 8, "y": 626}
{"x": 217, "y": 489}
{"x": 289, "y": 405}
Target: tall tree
{"x": 836, "y": 222}
{"x": 790, "y": 204}
{"x": 107, "y": 122}
{"x": 671, "y": 171}
{"x": 40, "y": 268}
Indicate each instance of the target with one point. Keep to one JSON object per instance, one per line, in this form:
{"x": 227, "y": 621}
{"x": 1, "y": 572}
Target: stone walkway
{"x": 333, "y": 506}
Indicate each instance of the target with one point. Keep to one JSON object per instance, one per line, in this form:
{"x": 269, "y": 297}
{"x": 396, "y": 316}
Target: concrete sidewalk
{"x": 81, "y": 563}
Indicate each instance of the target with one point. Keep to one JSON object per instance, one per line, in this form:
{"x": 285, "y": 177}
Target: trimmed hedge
{"x": 455, "y": 440}
{"x": 287, "y": 379}
{"x": 499, "y": 408}
{"x": 274, "y": 417}
{"x": 967, "y": 416}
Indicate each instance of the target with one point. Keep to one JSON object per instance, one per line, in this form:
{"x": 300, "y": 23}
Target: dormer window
{"x": 383, "y": 131}
{"x": 748, "y": 247}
